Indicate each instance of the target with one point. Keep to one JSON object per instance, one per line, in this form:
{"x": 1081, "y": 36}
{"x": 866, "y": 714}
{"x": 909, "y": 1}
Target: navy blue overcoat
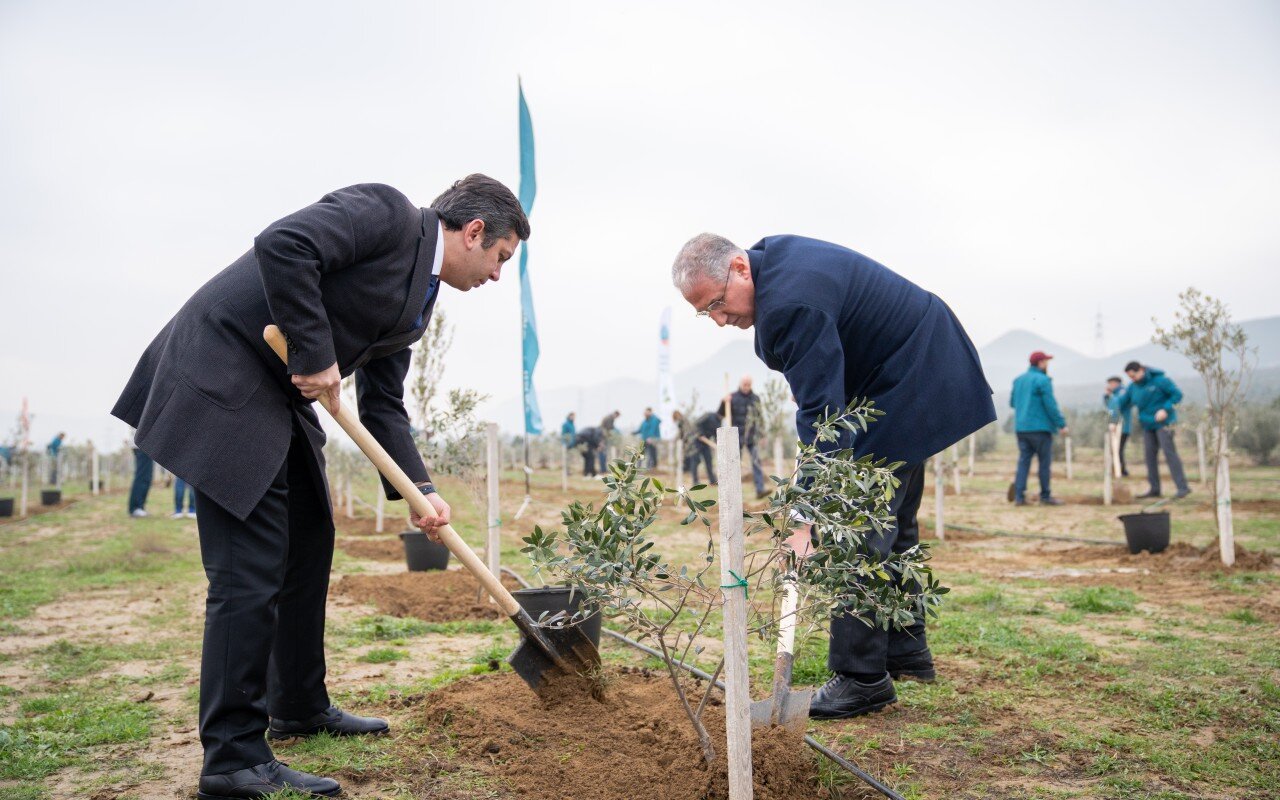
{"x": 840, "y": 326}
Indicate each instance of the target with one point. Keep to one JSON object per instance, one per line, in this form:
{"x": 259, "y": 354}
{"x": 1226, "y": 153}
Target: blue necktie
{"x": 431, "y": 293}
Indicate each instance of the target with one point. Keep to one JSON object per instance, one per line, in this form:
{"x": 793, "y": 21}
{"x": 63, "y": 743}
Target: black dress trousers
{"x": 264, "y": 618}
{"x": 857, "y": 646}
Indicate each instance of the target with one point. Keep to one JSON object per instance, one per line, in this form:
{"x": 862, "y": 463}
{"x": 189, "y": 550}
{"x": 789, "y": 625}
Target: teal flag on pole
{"x": 528, "y": 322}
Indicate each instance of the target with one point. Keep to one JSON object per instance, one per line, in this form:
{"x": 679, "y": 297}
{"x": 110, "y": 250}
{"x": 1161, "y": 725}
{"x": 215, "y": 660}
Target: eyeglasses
{"x": 715, "y": 305}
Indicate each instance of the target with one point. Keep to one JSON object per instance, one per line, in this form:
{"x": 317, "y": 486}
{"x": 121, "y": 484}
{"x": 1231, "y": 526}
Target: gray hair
{"x": 705, "y": 256}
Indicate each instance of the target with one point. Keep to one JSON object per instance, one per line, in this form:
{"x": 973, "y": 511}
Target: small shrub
{"x": 384, "y": 655}
{"x": 1258, "y": 433}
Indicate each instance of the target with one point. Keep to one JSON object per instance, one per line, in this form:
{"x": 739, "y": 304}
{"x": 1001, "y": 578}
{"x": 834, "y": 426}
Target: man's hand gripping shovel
{"x": 544, "y": 653}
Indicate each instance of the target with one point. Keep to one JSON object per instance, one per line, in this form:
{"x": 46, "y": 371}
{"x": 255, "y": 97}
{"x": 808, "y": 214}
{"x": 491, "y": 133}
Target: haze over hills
{"x": 1078, "y": 378}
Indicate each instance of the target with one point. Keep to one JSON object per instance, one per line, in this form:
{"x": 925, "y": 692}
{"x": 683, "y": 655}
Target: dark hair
{"x": 481, "y": 197}
{"x": 1115, "y": 378}
{"x": 1131, "y": 366}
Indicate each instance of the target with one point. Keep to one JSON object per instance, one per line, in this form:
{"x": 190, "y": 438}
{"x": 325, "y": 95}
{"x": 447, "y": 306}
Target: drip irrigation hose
{"x": 1047, "y": 536}
{"x": 848, "y": 765}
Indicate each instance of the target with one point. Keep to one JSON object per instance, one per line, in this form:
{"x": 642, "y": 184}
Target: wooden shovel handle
{"x": 405, "y": 486}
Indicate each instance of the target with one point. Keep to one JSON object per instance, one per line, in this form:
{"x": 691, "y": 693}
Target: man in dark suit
{"x": 351, "y": 280}
{"x": 840, "y": 326}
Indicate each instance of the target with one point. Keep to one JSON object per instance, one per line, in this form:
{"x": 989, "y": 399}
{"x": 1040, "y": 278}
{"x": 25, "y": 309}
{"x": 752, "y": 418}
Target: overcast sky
{"x": 1031, "y": 163}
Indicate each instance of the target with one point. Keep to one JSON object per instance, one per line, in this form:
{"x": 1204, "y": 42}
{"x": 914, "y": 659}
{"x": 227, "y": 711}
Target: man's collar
{"x": 755, "y": 258}
{"x": 439, "y": 257}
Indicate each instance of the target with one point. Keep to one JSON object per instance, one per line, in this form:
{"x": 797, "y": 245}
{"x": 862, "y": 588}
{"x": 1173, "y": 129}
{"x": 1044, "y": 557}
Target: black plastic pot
{"x": 421, "y": 554}
{"x": 6, "y": 507}
{"x": 1148, "y": 532}
{"x": 553, "y": 599}
{"x": 50, "y": 497}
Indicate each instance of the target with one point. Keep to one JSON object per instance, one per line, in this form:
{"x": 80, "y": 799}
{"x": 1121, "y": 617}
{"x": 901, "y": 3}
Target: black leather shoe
{"x": 843, "y": 696}
{"x": 917, "y": 666}
{"x": 1147, "y": 496}
{"x": 264, "y": 780}
{"x": 333, "y": 721}
{"x": 1183, "y": 493}
{"x": 1050, "y": 501}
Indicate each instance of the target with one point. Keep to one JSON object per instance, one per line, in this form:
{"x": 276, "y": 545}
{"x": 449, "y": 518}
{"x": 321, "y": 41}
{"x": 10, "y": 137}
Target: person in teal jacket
{"x": 650, "y": 432}
{"x": 569, "y": 430}
{"x": 1156, "y": 397}
{"x": 1111, "y": 401}
{"x": 1036, "y": 419}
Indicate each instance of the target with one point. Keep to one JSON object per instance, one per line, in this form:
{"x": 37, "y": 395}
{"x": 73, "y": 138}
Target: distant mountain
{"x": 1077, "y": 378}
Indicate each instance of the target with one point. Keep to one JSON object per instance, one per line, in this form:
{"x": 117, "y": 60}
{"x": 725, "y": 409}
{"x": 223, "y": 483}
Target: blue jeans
{"x": 1040, "y": 445}
{"x": 143, "y": 467}
{"x": 180, "y": 488}
{"x": 757, "y": 474}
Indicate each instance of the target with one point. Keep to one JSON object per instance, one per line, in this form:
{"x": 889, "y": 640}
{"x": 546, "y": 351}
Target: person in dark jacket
{"x": 568, "y": 430}
{"x": 351, "y": 281}
{"x": 1036, "y": 420}
{"x": 744, "y": 414}
{"x": 840, "y": 326}
{"x": 1156, "y": 397}
{"x": 1112, "y": 400}
{"x": 608, "y": 429}
{"x": 704, "y": 435}
{"x": 591, "y": 440}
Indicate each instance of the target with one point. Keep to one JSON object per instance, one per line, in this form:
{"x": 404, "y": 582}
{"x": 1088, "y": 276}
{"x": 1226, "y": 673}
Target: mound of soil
{"x": 1179, "y": 557}
{"x": 442, "y": 596}
{"x": 635, "y": 742}
{"x": 373, "y": 549}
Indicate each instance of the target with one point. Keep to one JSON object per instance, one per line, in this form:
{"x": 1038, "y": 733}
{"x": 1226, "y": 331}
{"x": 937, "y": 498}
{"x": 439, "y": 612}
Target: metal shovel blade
{"x": 790, "y": 711}
{"x": 546, "y": 653}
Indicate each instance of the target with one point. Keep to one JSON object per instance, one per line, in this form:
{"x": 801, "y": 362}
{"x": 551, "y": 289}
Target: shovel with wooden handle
{"x": 544, "y": 652}
{"x": 788, "y": 708}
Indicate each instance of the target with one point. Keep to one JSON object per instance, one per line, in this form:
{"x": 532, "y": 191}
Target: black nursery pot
{"x": 421, "y": 554}
{"x": 50, "y": 497}
{"x": 552, "y": 599}
{"x": 1148, "y": 532}
{"x": 6, "y": 507}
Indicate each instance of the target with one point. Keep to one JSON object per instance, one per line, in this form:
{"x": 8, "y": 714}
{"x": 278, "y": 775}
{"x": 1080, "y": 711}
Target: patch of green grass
{"x": 382, "y": 628}
{"x": 383, "y": 655}
{"x": 26, "y": 792}
{"x": 55, "y": 730}
{"x": 1244, "y": 615}
{"x": 1099, "y": 599}
{"x": 325, "y": 754}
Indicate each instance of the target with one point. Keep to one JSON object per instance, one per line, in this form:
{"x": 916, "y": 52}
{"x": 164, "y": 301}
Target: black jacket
{"x": 591, "y": 438}
{"x": 347, "y": 279}
{"x": 744, "y": 413}
{"x": 840, "y": 326}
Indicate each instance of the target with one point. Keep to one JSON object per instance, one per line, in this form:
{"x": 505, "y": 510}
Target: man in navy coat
{"x": 840, "y": 326}
{"x": 351, "y": 281}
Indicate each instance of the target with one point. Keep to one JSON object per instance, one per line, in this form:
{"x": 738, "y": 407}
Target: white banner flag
{"x": 666, "y": 383}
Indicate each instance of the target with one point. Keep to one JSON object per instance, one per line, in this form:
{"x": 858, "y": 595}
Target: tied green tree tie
{"x": 741, "y": 584}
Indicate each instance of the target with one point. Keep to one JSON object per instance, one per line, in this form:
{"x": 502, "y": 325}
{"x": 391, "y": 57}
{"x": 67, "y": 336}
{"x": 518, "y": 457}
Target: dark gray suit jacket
{"x": 347, "y": 279}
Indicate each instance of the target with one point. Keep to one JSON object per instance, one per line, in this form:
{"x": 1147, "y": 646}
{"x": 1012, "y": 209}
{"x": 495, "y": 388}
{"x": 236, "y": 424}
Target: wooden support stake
{"x": 777, "y": 458}
{"x": 973, "y": 451}
{"x": 1106, "y": 468}
{"x": 351, "y": 500}
{"x": 1204, "y": 473}
{"x": 732, "y": 557}
{"x": 564, "y": 467}
{"x": 955, "y": 466}
{"x": 1226, "y": 534}
{"x": 939, "y": 489}
{"x": 494, "y": 540}
{"x": 95, "y": 470}
{"x": 1067, "y": 445}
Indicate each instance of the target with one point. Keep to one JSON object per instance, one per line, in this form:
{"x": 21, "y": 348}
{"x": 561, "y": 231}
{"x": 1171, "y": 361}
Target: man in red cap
{"x": 1037, "y": 419}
